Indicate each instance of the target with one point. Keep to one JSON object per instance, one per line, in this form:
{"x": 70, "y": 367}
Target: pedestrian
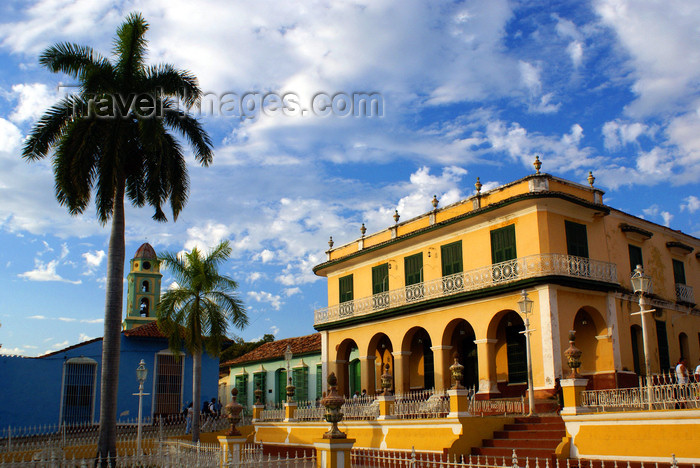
{"x": 188, "y": 418}
{"x": 205, "y": 416}
{"x": 682, "y": 383}
{"x": 697, "y": 373}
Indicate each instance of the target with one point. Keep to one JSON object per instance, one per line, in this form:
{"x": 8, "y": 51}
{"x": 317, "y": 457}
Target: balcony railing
{"x": 532, "y": 266}
{"x": 684, "y": 293}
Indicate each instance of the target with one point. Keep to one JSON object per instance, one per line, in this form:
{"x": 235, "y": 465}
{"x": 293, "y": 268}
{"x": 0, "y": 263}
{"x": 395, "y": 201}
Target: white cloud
{"x": 45, "y": 272}
{"x": 618, "y": 134}
{"x": 667, "y": 217}
{"x": 37, "y": 317}
{"x": 292, "y": 291}
{"x": 93, "y": 260}
{"x": 275, "y": 330}
{"x": 692, "y": 204}
{"x": 266, "y": 255}
{"x": 15, "y": 351}
{"x": 274, "y": 300}
{"x": 84, "y": 337}
{"x": 254, "y": 276}
{"x": 34, "y": 99}
{"x": 10, "y": 136}
{"x": 206, "y": 237}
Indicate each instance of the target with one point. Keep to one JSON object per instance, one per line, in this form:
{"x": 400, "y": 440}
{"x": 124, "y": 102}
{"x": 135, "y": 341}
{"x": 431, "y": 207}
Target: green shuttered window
{"x": 345, "y": 288}
{"x": 414, "y": 269}
{"x": 380, "y": 279}
{"x": 451, "y": 258}
{"x": 300, "y": 380}
{"x": 576, "y": 239}
{"x": 503, "y": 244}
{"x": 259, "y": 382}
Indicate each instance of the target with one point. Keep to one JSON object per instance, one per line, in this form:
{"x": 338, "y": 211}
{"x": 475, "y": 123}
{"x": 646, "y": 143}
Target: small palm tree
{"x": 113, "y": 137}
{"x": 199, "y": 309}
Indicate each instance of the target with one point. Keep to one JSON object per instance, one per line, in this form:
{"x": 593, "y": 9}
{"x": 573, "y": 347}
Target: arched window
{"x": 143, "y": 307}
{"x": 144, "y": 286}
{"x": 78, "y": 390}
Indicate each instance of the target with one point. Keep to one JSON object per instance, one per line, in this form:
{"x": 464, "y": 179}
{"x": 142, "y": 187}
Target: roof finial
{"x": 363, "y": 229}
{"x": 537, "y": 165}
{"x": 396, "y": 216}
{"x": 330, "y": 243}
{"x": 435, "y": 202}
{"x": 591, "y": 179}
{"x": 478, "y": 186}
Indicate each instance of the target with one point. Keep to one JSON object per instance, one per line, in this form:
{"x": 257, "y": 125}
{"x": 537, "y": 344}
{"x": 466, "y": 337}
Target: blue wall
{"x": 31, "y": 387}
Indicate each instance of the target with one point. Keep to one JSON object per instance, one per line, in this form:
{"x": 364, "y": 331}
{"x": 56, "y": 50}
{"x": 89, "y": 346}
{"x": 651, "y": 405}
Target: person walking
{"x": 188, "y": 418}
{"x": 682, "y": 383}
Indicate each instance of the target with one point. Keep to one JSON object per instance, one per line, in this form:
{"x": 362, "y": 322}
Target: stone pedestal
{"x": 571, "y": 389}
{"x": 333, "y": 453}
{"x": 459, "y": 403}
{"x": 386, "y": 407}
{"x": 257, "y": 412}
{"x": 290, "y": 410}
{"x": 232, "y": 448}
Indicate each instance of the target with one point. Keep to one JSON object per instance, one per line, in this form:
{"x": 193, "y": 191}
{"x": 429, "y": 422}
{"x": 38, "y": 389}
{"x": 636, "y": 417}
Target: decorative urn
{"x": 456, "y": 370}
{"x": 386, "y": 380}
{"x": 333, "y": 403}
{"x": 573, "y": 356}
{"x": 233, "y": 413}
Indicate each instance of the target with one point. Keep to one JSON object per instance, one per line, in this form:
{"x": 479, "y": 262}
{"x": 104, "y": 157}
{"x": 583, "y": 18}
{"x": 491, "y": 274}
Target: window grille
{"x": 168, "y": 391}
{"x": 300, "y": 380}
{"x": 79, "y": 377}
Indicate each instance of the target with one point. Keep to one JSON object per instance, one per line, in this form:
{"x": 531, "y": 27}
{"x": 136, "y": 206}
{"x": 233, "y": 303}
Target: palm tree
{"x": 199, "y": 309}
{"x": 113, "y": 136}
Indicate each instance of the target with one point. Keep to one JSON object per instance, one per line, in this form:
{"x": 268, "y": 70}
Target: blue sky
{"x": 469, "y": 89}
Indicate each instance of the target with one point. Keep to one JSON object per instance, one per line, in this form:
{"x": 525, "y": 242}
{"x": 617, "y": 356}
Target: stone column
{"x": 333, "y": 453}
{"x": 386, "y": 407}
{"x": 367, "y": 376}
{"x": 441, "y": 362}
{"x": 401, "y": 371}
{"x": 290, "y": 409}
{"x": 486, "y": 351}
{"x": 257, "y": 412}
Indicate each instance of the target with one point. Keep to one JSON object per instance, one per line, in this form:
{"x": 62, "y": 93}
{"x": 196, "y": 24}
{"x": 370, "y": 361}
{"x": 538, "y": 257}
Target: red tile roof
{"x": 149, "y": 330}
{"x": 275, "y": 349}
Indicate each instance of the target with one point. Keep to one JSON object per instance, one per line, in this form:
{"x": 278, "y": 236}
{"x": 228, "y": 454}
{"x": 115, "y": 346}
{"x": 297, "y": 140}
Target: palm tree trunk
{"x": 196, "y": 392}
{"x": 109, "y": 382}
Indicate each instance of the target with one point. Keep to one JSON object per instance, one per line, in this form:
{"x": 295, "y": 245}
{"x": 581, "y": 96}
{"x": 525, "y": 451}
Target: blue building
{"x": 64, "y": 386}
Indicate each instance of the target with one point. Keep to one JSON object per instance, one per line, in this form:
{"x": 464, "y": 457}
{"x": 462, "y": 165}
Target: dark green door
{"x": 355, "y": 377}
{"x": 576, "y": 239}
{"x": 413, "y": 266}
{"x": 281, "y": 377}
{"x": 517, "y": 359}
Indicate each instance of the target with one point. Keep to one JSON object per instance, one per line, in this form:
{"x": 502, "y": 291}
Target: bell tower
{"x": 143, "y": 293}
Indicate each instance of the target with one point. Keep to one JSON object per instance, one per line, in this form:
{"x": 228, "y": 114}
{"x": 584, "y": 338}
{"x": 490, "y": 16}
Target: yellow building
{"x": 448, "y": 282}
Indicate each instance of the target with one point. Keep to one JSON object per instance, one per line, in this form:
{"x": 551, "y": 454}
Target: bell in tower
{"x": 143, "y": 292}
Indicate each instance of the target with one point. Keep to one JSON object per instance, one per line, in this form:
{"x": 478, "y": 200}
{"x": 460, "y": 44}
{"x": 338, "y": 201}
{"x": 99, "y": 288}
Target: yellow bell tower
{"x": 143, "y": 292}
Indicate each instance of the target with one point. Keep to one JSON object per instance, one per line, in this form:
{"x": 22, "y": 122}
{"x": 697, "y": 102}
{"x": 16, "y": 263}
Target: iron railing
{"x": 422, "y": 404}
{"x": 664, "y": 390}
{"x": 684, "y": 293}
{"x": 532, "y": 266}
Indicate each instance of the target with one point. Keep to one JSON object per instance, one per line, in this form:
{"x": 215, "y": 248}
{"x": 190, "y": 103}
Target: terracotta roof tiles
{"x": 275, "y": 349}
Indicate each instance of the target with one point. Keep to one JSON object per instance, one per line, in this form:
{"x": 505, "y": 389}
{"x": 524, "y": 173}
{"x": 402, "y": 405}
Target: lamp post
{"x": 290, "y": 387}
{"x": 641, "y": 284}
{"x": 525, "y": 305}
{"x": 141, "y": 374}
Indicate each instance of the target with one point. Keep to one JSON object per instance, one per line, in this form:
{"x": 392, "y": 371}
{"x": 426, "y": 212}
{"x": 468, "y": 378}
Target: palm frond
{"x": 172, "y": 82}
{"x": 73, "y": 59}
{"x": 130, "y": 47}
{"x": 51, "y": 126}
{"x": 192, "y": 130}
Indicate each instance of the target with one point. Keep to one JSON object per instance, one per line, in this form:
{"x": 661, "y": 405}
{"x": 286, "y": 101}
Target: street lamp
{"x": 526, "y": 309}
{"x": 641, "y": 284}
{"x": 290, "y": 387}
{"x": 141, "y": 374}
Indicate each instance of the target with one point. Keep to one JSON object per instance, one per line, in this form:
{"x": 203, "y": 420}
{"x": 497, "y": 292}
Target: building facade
{"x": 265, "y": 367}
{"x": 63, "y": 387}
{"x": 447, "y": 283}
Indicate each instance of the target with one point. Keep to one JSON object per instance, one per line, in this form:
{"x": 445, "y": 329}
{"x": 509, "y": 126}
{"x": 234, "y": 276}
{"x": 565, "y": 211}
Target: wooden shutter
{"x": 516, "y": 353}
{"x": 662, "y": 341}
{"x": 414, "y": 269}
{"x": 635, "y": 256}
{"x": 345, "y": 288}
{"x": 281, "y": 377}
{"x": 678, "y": 272}
{"x": 242, "y": 387}
{"x": 300, "y": 378}
{"x": 503, "y": 244}
{"x": 576, "y": 239}
{"x": 319, "y": 380}
{"x": 259, "y": 382}
{"x": 451, "y": 258}
{"x": 380, "y": 279}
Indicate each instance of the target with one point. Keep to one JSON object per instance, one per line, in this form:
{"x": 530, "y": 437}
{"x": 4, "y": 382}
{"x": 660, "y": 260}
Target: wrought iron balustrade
{"x": 684, "y": 293}
{"x": 532, "y": 266}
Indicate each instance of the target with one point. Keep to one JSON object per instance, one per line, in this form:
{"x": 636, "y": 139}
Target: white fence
{"x": 422, "y": 404}
{"x": 29, "y": 438}
{"x": 370, "y": 458}
{"x": 664, "y": 391}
